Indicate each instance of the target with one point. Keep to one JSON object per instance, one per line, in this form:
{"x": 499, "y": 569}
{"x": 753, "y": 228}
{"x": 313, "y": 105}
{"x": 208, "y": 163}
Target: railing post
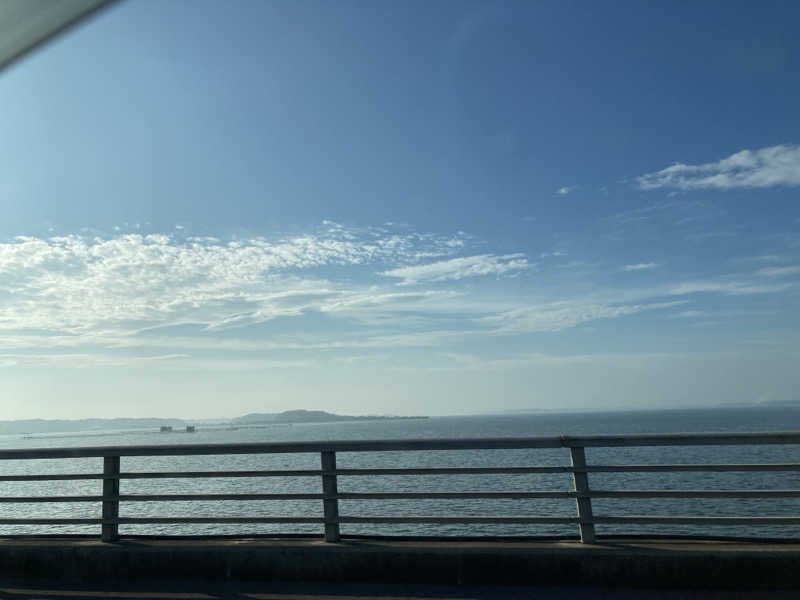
{"x": 581, "y": 480}
{"x": 329, "y": 488}
{"x": 110, "y": 498}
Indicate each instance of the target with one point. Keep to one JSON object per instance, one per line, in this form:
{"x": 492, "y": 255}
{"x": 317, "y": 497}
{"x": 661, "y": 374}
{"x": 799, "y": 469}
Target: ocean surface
{"x": 518, "y": 425}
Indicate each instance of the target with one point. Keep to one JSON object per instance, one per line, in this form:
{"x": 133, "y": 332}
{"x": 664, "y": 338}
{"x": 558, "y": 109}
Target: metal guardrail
{"x": 580, "y": 469}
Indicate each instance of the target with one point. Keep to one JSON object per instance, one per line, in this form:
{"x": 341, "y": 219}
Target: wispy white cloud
{"x": 459, "y": 268}
{"x": 170, "y": 300}
{"x": 689, "y": 314}
{"x": 729, "y": 288}
{"x": 353, "y": 301}
{"x": 558, "y": 316}
{"x": 766, "y": 167}
{"x": 471, "y": 362}
{"x": 635, "y": 217}
{"x": 759, "y": 258}
{"x": 122, "y": 349}
{"x": 406, "y": 311}
{"x": 641, "y": 266}
{"x": 578, "y": 264}
{"x": 76, "y": 284}
{"x": 779, "y": 271}
{"x": 171, "y": 362}
{"x": 717, "y": 314}
{"x": 137, "y": 294}
{"x": 567, "y": 189}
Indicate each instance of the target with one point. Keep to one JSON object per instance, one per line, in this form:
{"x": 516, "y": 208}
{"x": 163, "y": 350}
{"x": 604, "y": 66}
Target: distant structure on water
{"x": 168, "y": 429}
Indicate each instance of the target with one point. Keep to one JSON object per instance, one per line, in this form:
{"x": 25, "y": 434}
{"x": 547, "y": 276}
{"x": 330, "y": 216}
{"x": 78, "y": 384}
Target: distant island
{"x": 308, "y": 416}
{"x": 27, "y": 426}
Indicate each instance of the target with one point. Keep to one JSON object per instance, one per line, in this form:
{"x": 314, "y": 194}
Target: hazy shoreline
{"x": 106, "y": 426}
{"x": 53, "y": 426}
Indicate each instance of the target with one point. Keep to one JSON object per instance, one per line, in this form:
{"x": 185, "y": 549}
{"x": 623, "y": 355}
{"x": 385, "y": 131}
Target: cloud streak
{"x": 779, "y": 271}
{"x": 728, "y": 288}
{"x": 767, "y": 167}
{"x": 459, "y": 268}
{"x": 641, "y": 266}
{"x": 558, "y": 316}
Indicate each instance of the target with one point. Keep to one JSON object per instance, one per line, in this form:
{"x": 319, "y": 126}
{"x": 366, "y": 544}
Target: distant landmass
{"x": 308, "y": 416}
{"x": 72, "y": 425}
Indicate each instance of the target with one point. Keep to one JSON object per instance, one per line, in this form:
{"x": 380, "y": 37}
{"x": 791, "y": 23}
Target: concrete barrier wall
{"x": 635, "y": 564}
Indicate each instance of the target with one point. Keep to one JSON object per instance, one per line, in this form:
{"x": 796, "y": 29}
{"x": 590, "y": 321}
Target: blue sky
{"x": 407, "y": 208}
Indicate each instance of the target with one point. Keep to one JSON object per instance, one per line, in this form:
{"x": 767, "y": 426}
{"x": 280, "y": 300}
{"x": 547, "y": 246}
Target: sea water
{"x": 517, "y": 425}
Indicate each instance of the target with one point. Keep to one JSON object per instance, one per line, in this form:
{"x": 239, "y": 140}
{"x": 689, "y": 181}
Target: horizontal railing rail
{"x": 580, "y": 469}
